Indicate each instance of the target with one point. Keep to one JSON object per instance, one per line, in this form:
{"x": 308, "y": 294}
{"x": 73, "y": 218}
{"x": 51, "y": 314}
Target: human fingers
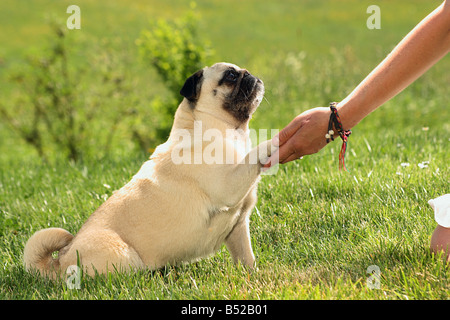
{"x": 292, "y": 157}
{"x": 286, "y": 133}
{"x": 288, "y": 151}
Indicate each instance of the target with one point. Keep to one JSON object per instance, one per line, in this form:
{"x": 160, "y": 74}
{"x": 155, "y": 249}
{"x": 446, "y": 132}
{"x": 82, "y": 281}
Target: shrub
{"x": 55, "y": 113}
{"x": 175, "y": 50}
{"x": 75, "y": 110}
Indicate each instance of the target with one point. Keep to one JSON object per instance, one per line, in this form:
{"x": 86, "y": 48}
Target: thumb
{"x": 285, "y": 134}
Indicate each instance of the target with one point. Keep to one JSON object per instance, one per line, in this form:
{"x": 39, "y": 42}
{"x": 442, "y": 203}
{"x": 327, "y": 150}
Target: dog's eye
{"x": 231, "y": 75}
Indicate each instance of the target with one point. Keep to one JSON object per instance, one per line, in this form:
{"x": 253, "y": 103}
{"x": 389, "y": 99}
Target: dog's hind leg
{"x": 102, "y": 252}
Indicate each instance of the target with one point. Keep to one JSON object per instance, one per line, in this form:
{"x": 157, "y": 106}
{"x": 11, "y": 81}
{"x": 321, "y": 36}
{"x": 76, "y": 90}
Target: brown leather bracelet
{"x": 344, "y": 134}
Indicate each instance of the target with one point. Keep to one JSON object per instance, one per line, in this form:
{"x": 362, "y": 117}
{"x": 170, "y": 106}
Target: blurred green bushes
{"x": 175, "y": 50}
{"x": 57, "y": 113}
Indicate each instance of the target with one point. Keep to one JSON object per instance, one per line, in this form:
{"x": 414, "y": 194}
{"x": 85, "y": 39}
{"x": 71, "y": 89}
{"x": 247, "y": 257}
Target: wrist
{"x": 348, "y": 118}
{"x": 335, "y": 120}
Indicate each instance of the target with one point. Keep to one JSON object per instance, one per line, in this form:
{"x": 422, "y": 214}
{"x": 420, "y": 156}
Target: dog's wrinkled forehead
{"x": 211, "y": 75}
{"x": 216, "y": 71}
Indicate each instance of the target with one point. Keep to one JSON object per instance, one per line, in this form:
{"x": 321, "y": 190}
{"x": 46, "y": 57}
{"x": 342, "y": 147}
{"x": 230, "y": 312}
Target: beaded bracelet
{"x": 344, "y": 134}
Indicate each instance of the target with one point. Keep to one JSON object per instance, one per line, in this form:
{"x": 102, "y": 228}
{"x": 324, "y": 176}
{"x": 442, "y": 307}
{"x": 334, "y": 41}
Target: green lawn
{"x": 315, "y": 230}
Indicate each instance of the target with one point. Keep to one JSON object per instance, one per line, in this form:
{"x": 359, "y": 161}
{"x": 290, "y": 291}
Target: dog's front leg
{"x": 238, "y": 241}
{"x": 245, "y": 174}
{"x": 239, "y": 244}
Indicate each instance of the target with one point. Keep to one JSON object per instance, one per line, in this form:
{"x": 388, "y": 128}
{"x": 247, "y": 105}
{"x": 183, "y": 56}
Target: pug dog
{"x": 185, "y": 201}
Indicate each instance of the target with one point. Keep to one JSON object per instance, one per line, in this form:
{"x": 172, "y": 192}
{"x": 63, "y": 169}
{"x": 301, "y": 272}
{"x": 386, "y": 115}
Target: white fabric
{"x": 441, "y": 206}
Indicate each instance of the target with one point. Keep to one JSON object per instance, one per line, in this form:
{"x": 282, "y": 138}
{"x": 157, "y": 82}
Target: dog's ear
{"x": 191, "y": 88}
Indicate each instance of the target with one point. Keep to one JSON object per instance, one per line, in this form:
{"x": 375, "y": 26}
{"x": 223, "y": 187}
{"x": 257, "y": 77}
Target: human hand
{"x": 302, "y": 136}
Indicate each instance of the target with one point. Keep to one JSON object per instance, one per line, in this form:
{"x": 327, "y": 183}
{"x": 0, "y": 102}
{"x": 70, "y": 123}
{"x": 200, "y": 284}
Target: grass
{"x": 315, "y": 230}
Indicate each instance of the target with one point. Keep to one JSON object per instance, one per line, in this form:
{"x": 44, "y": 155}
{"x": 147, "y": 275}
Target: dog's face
{"x": 227, "y": 87}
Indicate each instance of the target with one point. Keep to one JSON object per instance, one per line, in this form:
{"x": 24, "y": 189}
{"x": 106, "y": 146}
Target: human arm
{"x": 426, "y": 44}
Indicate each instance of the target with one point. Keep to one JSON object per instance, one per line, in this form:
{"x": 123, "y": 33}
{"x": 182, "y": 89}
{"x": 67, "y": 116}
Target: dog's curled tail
{"x": 37, "y": 254}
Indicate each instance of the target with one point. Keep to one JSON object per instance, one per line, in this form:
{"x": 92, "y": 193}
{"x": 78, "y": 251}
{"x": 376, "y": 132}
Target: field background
{"x": 315, "y": 230}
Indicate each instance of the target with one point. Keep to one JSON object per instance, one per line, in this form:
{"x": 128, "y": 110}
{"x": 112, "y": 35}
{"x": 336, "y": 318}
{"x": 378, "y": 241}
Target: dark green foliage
{"x": 175, "y": 50}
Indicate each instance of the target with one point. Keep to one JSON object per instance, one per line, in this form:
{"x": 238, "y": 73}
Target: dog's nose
{"x": 245, "y": 73}
{"x": 248, "y": 74}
